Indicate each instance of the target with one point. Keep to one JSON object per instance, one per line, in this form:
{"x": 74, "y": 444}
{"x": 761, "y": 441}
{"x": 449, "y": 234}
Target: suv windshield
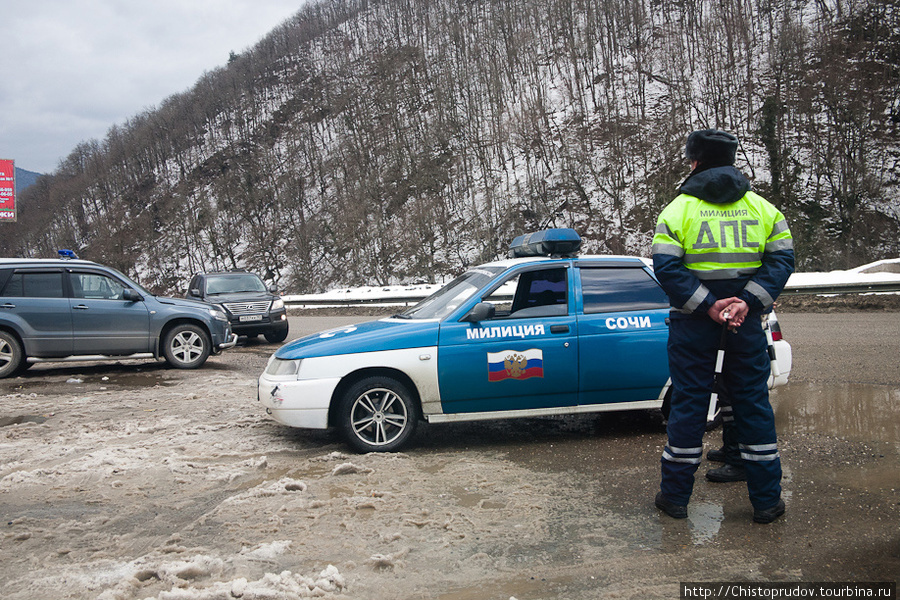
{"x": 233, "y": 284}
{"x": 448, "y": 298}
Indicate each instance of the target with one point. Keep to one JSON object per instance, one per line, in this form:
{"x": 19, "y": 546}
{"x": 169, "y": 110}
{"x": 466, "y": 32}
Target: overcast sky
{"x": 70, "y": 69}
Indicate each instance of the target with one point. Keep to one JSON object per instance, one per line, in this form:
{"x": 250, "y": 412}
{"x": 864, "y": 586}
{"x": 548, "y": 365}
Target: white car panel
{"x": 303, "y": 401}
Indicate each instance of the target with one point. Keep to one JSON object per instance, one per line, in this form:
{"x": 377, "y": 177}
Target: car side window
{"x": 94, "y": 286}
{"x": 620, "y": 289}
{"x": 34, "y": 284}
{"x": 539, "y": 293}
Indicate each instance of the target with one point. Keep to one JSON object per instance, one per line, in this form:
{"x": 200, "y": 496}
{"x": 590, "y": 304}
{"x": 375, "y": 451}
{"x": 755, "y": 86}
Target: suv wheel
{"x": 186, "y": 346}
{"x": 276, "y": 337}
{"x": 11, "y": 355}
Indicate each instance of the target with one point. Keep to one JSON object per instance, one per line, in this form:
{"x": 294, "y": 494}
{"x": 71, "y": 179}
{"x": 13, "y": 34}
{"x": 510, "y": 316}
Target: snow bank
{"x": 180, "y": 574}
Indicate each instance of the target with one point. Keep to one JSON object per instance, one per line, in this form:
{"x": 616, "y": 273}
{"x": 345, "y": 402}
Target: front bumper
{"x": 230, "y": 343}
{"x": 266, "y": 324}
{"x": 297, "y": 403}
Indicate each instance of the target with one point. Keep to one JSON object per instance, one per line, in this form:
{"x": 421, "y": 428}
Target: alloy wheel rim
{"x": 378, "y": 417}
{"x": 187, "y": 346}
{"x": 5, "y": 353}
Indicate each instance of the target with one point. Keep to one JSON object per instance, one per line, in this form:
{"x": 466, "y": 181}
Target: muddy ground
{"x": 126, "y": 481}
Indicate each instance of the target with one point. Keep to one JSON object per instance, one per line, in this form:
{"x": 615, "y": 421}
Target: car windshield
{"x": 233, "y": 284}
{"x": 448, "y": 298}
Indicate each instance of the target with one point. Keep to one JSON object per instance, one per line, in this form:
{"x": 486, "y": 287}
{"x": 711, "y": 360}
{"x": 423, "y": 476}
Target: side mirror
{"x": 274, "y": 289}
{"x": 131, "y": 296}
{"x": 483, "y": 311}
{"x": 194, "y": 292}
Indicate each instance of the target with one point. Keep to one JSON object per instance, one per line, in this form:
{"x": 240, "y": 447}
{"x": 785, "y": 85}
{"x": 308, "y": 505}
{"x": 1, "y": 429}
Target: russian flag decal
{"x": 515, "y": 364}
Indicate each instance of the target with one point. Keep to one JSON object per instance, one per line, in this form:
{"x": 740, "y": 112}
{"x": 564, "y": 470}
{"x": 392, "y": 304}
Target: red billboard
{"x": 7, "y": 190}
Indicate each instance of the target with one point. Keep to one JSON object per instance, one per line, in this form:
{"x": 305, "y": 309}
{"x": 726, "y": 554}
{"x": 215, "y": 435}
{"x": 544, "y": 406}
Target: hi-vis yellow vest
{"x": 721, "y": 241}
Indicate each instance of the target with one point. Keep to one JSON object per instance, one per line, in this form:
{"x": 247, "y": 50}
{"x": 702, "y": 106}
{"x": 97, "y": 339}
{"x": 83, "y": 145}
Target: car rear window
{"x": 620, "y": 289}
{"x": 35, "y": 284}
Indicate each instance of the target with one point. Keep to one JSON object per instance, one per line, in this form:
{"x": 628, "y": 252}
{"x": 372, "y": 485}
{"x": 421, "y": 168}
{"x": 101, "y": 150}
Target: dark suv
{"x": 252, "y": 308}
{"x": 63, "y": 309}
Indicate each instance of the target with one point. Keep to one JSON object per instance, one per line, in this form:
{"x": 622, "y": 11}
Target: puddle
{"x": 864, "y": 413}
{"x": 705, "y": 521}
{"x": 19, "y": 419}
{"x": 130, "y": 380}
{"x": 51, "y": 379}
{"x": 617, "y": 458}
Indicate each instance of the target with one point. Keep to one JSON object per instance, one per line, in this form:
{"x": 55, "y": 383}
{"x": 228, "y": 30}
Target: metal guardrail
{"x": 828, "y": 289}
{"x": 398, "y": 300}
{"x": 842, "y": 288}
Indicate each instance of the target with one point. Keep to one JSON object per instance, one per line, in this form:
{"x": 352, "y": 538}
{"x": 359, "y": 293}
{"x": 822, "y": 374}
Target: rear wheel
{"x": 186, "y": 346}
{"x": 11, "y": 355}
{"x": 378, "y": 414}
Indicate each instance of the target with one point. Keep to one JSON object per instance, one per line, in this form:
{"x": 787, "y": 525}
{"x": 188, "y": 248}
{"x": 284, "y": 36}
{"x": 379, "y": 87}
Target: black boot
{"x": 727, "y": 474}
{"x": 716, "y": 455}
{"x": 770, "y": 514}
{"x": 676, "y": 511}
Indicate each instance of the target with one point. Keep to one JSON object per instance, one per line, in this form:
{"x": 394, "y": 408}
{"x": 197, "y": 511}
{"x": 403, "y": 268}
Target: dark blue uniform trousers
{"x": 693, "y": 346}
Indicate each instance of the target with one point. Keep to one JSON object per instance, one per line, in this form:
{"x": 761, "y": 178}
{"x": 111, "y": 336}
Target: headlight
{"x": 278, "y": 304}
{"x": 281, "y": 367}
{"x": 218, "y": 315}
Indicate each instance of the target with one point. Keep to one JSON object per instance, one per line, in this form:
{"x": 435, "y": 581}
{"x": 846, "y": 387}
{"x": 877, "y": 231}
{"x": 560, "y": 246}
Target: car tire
{"x": 12, "y": 357}
{"x": 378, "y": 414}
{"x": 186, "y": 346}
{"x": 277, "y": 336}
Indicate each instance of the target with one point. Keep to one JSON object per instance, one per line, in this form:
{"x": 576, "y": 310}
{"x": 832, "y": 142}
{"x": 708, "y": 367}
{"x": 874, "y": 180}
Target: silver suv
{"x": 65, "y": 309}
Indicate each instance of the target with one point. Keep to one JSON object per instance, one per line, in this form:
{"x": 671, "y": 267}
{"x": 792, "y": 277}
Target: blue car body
{"x": 588, "y": 334}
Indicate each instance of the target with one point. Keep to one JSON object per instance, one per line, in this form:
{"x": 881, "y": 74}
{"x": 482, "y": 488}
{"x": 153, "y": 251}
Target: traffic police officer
{"x": 722, "y": 254}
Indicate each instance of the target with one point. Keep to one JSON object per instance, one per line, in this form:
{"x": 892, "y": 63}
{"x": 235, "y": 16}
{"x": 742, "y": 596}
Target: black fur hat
{"x": 711, "y": 148}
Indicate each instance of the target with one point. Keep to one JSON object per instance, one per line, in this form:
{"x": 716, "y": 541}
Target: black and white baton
{"x": 720, "y": 361}
{"x": 773, "y": 359}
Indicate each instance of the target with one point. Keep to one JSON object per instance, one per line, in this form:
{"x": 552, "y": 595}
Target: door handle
{"x": 81, "y": 307}
{"x": 559, "y": 329}
{"x": 8, "y": 305}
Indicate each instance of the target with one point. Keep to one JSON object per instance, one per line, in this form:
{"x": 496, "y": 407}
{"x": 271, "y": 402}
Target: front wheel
{"x": 277, "y": 336}
{"x": 378, "y": 414}
{"x": 12, "y": 357}
{"x": 186, "y": 346}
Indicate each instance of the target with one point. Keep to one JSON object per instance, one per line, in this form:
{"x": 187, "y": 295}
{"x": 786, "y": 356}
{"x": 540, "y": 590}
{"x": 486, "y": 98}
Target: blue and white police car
{"x": 546, "y": 332}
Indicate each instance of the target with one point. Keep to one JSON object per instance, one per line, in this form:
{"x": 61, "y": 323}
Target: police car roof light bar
{"x": 66, "y": 254}
{"x": 563, "y": 243}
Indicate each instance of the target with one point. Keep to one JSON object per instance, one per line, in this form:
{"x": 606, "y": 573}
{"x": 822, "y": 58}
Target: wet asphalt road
{"x": 839, "y": 437}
